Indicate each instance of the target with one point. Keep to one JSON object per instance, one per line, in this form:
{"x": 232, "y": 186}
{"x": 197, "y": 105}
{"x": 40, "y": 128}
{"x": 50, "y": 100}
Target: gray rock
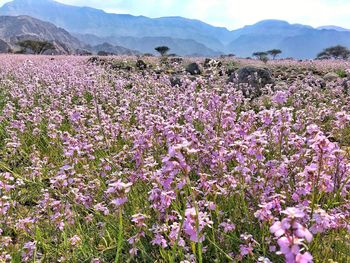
{"x": 140, "y": 64}
{"x": 346, "y": 86}
{"x": 252, "y": 79}
{"x": 231, "y": 71}
{"x": 331, "y": 76}
{"x": 317, "y": 83}
{"x": 176, "y": 60}
{"x": 209, "y": 62}
{"x": 193, "y": 69}
{"x": 94, "y": 60}
{"x": 175, "y": 81}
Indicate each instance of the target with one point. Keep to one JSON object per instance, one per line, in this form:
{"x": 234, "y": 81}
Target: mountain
{"x": 85, "y": 20}
{"x": 14, "y": 29}
{"x": 17, "y": 28}
{"x": 336, "y": 28}
{"x": 114, "y": 50}
{"x": 183, "y": 36}
{"x": 295, "y": 40}
{"x": 313, "y": 42}
{"x": 265, "y": 35}
{"x": 184, "y": 47}
{"x": 4, "y": 47}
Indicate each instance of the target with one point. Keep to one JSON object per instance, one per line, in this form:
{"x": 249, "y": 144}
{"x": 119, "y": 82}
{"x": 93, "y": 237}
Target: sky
{"x": 231, "y": 13}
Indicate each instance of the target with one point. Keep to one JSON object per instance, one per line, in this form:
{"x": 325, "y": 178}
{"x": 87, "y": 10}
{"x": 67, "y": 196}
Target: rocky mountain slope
{"x": 17, "y": 28}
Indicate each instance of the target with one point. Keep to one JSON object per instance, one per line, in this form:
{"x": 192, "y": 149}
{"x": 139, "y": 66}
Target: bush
{"x": 38, "y": 47}
{"x": 336, "y": 52}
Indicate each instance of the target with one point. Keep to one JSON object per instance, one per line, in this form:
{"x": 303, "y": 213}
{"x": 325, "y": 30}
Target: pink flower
{"x": 293, "y": 212}
{"x": 75, "y": 240}
{"x": 291, "y": 234}
{"x": 159, "y": 240}
{"x": 277, "y": 229}
{"x": 119, "y": 201}
{"x": 304, "y": 258}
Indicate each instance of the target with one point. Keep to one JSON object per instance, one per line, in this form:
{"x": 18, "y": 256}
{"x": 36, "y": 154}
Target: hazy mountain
{"x": 184, "y": 36}
{"x": 115, "y": 50}
{"x": 4, "y": 47}
{"x": 298, "y": 41}
{"x": 16, "y": 28}
{"x": 86, "y": 20}
{"x": 313, "y": 42}
{"x": 337, "y": 28}
{"x": 184, "y": 47}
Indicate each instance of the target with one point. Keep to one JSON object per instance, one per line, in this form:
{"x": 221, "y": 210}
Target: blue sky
{"x": 231, "y": 13}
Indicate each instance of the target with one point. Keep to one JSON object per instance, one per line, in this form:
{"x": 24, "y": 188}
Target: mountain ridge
{"x": 183, "y": 35}
{"x": 14, "y": 29}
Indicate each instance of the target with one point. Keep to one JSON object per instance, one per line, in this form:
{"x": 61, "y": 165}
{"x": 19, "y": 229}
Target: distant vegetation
{"x": 162, "y": 50}
{"x": 274, "y": 52}
{"x": 38, "y": 47}
{"x": 264, "y": 55}
{"x": 336, "y": 52}
{"x": 261, "y": 56}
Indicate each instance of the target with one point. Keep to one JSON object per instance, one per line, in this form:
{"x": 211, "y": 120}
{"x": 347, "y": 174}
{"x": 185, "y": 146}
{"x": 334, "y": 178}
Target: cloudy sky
{"x": 231, "y": 13}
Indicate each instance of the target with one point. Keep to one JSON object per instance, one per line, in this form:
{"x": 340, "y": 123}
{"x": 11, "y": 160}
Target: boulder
{"x": 331, "y": 76}
{"x": 176, "y": 60}
{"x": 175, "y": 81}
{"x": 231, "y": 71}
{"x": 317, "y": 82}
{"x": 140, "y": 64}
{"x": 252, "y": 79}
{"x": 210, "y": 63}
{"x": 94, "y": 60}
{"x": 193, "y": 69}
{"x": 346, "y": 86}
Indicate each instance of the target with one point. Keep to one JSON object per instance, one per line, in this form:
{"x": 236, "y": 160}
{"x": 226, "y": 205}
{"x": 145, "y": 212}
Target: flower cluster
{"x": 290, "y": 236}
{"x": 104, "y": 162}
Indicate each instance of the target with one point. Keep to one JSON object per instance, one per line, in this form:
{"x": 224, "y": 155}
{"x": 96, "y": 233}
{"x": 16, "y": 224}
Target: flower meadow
{"x": 106, "y": 165}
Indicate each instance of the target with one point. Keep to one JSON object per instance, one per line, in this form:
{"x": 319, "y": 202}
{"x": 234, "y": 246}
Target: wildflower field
{"x": 103, "y": 163}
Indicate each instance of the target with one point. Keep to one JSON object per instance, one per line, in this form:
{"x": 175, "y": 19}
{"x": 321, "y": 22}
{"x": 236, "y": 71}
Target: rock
{"x": 193, "y": 69}
{"x": 317, "y": 83}
{"x": 175, "y": 81}
{"x": 300, "y": 77}
{"x": 94, "y": 60}
{"x": 255, "y": 77}
{"x": 176, "y": 60}
{"x": 346, "y": 86}
{"x": 231, "y": 71}
{"x": 140, "y": 64}
{"x": 331, "y": 76}
{"x": 212, "y": 63}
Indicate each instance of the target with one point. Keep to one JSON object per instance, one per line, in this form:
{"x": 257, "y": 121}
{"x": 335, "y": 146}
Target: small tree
{"x": 38, "y": 47}
{"x": 261, "y": 56}
{"x": 274, "y": 52}
{"x": 162, "y": 50}
{"x": 336, "y": 52}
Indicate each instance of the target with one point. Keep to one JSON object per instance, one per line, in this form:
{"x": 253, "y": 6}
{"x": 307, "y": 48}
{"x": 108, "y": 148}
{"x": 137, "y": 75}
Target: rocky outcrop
{"x": 14, "y": 29}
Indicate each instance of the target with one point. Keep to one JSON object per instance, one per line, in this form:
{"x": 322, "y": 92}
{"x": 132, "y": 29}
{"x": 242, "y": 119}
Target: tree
{"x": 162, "y": 50}
{"x": 38, "y": 47}
{"x": 274, "y": 52}
{"x": 261, "y": 56}
{"x": 336, "y": 52}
